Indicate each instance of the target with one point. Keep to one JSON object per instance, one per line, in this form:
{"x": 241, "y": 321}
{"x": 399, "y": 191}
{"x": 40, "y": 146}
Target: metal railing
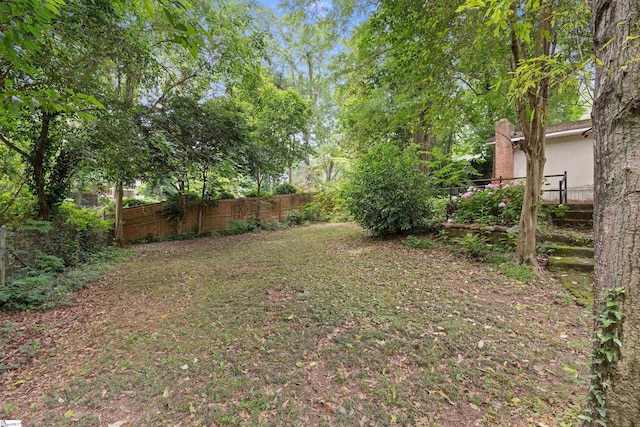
{"x": 562, "y": 189}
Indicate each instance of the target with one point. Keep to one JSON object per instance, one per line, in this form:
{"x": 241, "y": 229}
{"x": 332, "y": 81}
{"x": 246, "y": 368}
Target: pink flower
{"x": 449, "y": 221}
{"x": 515, "y": 183}
{"x": 491, "y": 193}
{"x": 502, "y": 205}
{"x": 492, "y": 186}
{"x": 467, "y": 195}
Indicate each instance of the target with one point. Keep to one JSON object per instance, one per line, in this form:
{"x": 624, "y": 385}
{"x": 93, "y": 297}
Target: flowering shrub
{"x": 490, "y": 205}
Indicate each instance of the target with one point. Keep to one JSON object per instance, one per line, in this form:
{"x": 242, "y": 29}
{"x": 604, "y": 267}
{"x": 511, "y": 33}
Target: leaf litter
{"x": 337, "y": 328}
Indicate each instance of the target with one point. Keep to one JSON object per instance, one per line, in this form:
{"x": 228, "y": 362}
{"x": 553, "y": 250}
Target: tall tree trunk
{"x": 182, "y": 200}
{"x": 329, "y": 172}
{"x": 313, "y": 96}
{"x": 258, "y": 201}
{"x": 526, "y": 250}
{"x": 119, "y": 224}
{"x": 306, "y": 169}
{"x": 202, "y": 203}
{"x": 531, "y": 110}
{"x": 37, "y": 162}
{"x": 424, "y": 140}
{"x": 291, "y": 175}
{"x": 616, "y": 122}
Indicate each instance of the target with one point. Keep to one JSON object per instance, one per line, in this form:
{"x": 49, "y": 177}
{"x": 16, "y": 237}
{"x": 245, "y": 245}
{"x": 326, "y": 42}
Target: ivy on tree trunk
{"x": 616, "y": 124}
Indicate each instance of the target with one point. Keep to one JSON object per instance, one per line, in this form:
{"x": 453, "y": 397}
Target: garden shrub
{"x": 87, "y": 234}
{"x": 331, "y": 204}
{"x": 32, "y": 290}
{"x": 42, "y": 251}
{"x": 312, "y": 212}
{"x": 285, "y": 188}
{"x": 47, "y": 283}
{"x": 386, "y": 192}
{"x": 254, "y": 193}
{"x": 74, "y": 235}
{"x": 224, "y": 195}
{"x": 173, "y": 209}
{"x": 239, "y": 226}
{"x": 132, "y": 202}
{"x": 271, "y": 224}
{"x": 438, "y": 206}
{"x": 294, "y": 218}
{"x": 476, "y": 246}
{"x": 491, "y": 205}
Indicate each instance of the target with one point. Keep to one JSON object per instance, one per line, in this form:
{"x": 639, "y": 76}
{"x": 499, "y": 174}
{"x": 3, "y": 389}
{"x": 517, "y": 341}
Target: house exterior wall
{"x": 573, "y": 154}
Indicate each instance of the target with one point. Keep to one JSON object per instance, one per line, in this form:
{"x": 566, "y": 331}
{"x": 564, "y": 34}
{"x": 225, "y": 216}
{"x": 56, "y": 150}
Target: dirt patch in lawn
{"x": 318, "y": 325}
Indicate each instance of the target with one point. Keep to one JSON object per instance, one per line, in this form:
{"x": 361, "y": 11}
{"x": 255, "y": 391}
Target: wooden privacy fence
{"x": 143, "y": 222}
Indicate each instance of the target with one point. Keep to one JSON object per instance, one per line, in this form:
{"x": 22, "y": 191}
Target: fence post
{"x": 566, "y": 189}
{"x": 560, "y": 192}
{"x": 500, "y": 181}
{"x": 3, "y": 249}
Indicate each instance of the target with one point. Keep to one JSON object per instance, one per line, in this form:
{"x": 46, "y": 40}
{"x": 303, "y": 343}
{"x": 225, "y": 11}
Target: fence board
{"x": 142, "y": 222}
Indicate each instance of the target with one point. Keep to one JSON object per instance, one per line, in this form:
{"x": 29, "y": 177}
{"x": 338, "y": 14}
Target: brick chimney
{"x": 503, "y": 156}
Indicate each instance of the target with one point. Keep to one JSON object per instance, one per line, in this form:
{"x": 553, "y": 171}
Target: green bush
{"x": 224, "y": 195}
{"x": 33, "y": 290}
{"x": 294, "y": 218}
{"x": 312, "y": 212}
{"x": 438, "y": 210}
{"x": 132, "y": 202}
{"x": 285, "y": 189}
{"x": 47, "y": 283}
{"x": 73, "y": 235}
{"x": 79, "y": 233}
{"x": 238, "y": 226}
{"x": 271, "y": 224}
{"x": 331, "y": 203}
{"x": 386, "y": 192}
{"x": 491, "y": 205}
{"x": 254, "y": 193}
{"x": 37, "y": 287}
{"x": 173, "y": 209}
{"x": 476, "y": 246}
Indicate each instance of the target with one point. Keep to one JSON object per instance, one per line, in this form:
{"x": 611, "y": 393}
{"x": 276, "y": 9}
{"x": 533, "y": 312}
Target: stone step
{"x": 587, "y": 207}
{"x": 588, "y": 215}
{"x": 572, "y": 251}
{"x": 580, "y": 285}
{"x": 557, "y": 263}
{"x": 582, "y": 223}
{"x": 562, "y": 239}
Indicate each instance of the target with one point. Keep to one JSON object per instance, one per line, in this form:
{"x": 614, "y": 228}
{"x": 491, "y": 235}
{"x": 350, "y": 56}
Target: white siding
{"x": 573, "y": 154}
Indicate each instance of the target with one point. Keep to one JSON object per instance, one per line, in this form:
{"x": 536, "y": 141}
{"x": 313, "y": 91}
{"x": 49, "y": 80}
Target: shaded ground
{"x": 307, "y": 326}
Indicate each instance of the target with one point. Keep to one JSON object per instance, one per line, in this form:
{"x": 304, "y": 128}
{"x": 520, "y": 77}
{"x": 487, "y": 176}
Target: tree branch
{"x": 13, "y": 199}
{"x": 173, "y": 86}
{"x": 13, "y": 146}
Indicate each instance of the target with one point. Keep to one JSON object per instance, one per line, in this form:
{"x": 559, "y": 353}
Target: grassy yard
{"x": 307, "y": 327}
